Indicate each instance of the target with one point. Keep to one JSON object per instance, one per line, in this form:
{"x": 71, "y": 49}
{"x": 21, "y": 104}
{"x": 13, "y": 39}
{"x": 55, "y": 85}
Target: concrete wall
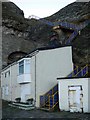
{"x": 6, "y": 81}
{"x": 15, "y": 89}
{"x": 63, "y": 92}
{"x": 11, "y": 82}
{"x": 51, "y": 64}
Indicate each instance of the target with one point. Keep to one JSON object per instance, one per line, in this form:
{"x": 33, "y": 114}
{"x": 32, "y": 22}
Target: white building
{"x": 35, "y": 74}
{"x": 74, "y": 94}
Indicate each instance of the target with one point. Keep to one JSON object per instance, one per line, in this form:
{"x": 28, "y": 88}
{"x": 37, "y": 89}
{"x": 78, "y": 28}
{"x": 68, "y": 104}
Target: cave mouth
{"x": 14, "y": 56}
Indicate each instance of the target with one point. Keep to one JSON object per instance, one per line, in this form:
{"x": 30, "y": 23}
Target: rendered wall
{"x": 46, "y": 66}
{"x": 6, "y": 81}
{"x": 11, "y": 82}
{"x": 15, "y": 86}
{"x": 51, "y": 64}
{"x": 63, "y": 92}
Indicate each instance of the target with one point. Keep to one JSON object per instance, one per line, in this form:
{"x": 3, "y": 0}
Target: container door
{"x": 75, "y": 99}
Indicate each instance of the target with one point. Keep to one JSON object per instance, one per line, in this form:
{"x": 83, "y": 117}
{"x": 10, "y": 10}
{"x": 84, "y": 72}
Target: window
{"x": 7, "y": 74}
{"x": 21, "y": 67}
{"x": 27, "y": 66}
{"x": 6, "y": 90}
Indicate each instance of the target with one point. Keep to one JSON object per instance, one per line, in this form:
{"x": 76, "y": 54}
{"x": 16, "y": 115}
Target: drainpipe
{"x": 35, "y": 79}
{"x": 11, "y": 82}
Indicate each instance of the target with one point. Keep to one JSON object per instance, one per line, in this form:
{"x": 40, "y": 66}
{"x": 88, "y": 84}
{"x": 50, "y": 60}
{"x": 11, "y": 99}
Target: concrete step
{"x": 22, "y": 106}
{"x": 45, "y": 109}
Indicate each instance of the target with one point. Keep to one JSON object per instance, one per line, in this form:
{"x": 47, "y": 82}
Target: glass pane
{"x": 21, "y": 67}
{"x": 27, "y": 66}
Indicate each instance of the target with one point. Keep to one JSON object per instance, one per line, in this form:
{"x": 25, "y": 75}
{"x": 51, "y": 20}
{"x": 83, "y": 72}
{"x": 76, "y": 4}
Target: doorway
{"x": 25, "y": 90}
{"x": 75, "y": 98}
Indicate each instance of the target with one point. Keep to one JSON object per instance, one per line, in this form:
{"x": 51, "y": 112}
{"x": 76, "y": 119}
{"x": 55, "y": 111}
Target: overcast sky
{"x": 41, "y": 8}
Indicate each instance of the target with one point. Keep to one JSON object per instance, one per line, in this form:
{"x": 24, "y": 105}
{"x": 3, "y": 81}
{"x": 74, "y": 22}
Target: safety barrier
{"x": 66, "y": 25}
{"x": 47, "y": 97}
{"x": 79, "y": 72}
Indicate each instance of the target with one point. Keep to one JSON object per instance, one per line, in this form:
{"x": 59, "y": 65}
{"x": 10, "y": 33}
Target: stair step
{"x": 22, "y": 107}
{"x": 45, "y": 109}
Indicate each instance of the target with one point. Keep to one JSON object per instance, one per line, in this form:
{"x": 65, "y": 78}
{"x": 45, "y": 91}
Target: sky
{"x": 41, "y": 8}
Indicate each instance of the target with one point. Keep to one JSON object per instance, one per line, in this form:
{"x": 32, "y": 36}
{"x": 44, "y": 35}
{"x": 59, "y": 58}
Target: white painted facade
{"x": 39, "y": 76}
{"x": 76, "y": 91}
{"x": 9, "y": 85}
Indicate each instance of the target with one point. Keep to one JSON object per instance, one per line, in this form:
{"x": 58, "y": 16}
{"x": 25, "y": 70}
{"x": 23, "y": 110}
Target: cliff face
{"x": 33, "y": 33}
{"x": 74, "y": 12}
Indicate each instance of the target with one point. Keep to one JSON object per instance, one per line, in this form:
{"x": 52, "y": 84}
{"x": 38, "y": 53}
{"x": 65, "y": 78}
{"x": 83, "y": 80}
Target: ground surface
{"x": 13, "y": 113}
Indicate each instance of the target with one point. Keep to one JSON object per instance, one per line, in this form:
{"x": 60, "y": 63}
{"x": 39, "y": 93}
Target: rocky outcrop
{"x": 74, "y": 12}
{"x": 27, "y": 34}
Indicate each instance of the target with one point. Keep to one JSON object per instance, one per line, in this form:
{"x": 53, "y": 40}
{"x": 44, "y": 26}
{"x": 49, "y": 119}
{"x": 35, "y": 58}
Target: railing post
{"x": 53, "y": 100}
{"x": 49, "y": 102}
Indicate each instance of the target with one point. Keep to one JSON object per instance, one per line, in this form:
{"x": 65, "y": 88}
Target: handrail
{"x": 53, "y": 100}
{"x": 72, "y": 71}
{"x": 81, "y": 70}
{"x": 49, "y": 90}
{"x": 48, "y": 95}
{"x": 76, "y": 28}
{"x": 73, "y": 74}
{"x": 55, "y": 93}
{"x": 72, "y": 36}
{"x": 63, "y": 24}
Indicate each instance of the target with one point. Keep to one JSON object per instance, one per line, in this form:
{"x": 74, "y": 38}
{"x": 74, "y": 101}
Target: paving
{"x": 12, "y": 113}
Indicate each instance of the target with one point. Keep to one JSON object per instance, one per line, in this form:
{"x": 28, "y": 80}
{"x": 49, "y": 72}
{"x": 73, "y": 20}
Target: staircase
{"x": 62, "y": 24}
{"x": 49, "y": 100}
{"x": 79, "y": 72}
{"x": 66, "y": 25}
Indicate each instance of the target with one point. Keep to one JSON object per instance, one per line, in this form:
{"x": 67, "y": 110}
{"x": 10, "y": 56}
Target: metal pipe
{"x": 35, "y": 80}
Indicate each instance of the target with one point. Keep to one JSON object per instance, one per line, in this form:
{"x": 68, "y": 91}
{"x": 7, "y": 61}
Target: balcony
{"x": 24, "y": 78}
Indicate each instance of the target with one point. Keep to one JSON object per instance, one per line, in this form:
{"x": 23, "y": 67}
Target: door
{"x": 25, "y": 90}
{"x": 75, "y": 98}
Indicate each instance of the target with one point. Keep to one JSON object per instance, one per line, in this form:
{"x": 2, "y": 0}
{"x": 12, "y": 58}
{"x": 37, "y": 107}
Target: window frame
{"x": 21, "y": 67}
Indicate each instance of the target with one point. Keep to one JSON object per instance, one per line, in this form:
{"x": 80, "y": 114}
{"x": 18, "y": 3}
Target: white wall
{"x": 48, "y": 64}
{"x": 51, "y": 64}
{"x": 6, "y": 82}
{"x": 63, "y": 92}
{"x": 11, "y": 82}
{"x": 15, "y": 86}
{"x": 88, "y": 94}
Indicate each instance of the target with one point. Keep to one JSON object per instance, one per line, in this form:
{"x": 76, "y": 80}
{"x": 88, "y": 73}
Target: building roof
{"x": 64, "y": 78}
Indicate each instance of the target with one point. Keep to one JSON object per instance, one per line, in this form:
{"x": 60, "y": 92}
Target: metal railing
{"x": 82, "y": 72}
{"x": 72, "y": 36}
{"x": 53, "y": 100}
{"x": 79, "y": 72}
{"x": 45, "y": 98}
{"x": 63, "y": 24}
{"x": 67, "y": 25}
